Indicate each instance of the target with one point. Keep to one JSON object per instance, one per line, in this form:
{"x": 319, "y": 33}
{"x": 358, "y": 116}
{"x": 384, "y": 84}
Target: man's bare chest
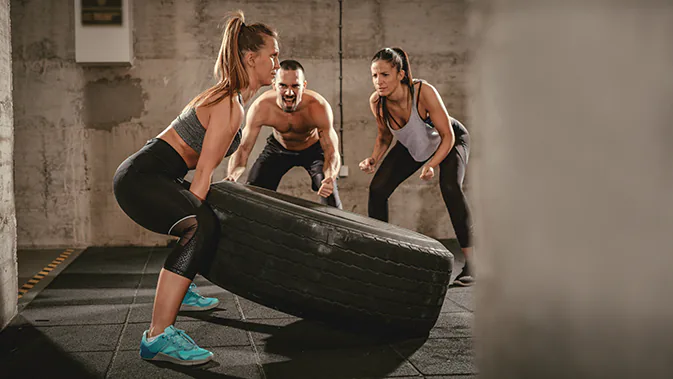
{"x": 293, "y": 124}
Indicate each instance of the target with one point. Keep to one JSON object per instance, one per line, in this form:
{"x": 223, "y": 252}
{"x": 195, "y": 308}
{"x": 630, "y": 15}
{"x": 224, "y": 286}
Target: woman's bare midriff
{"x": 189, "y": 155}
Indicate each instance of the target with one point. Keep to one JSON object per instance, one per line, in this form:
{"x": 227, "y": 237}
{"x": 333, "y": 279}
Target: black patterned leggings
{"x": 150, "y": 188}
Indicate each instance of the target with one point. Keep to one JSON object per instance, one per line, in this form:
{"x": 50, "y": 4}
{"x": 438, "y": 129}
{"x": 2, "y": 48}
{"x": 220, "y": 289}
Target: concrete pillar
{"x": 8, "y": 273}
{"x": 574, "y": 188}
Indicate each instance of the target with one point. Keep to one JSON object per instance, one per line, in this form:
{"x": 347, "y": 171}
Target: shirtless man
{"x": 302, "y": 136}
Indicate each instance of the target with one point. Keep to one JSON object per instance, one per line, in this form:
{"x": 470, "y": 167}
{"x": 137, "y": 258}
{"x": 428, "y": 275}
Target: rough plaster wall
{"x": 574, "y": 187}
{"x": 76, "y": 124}
{"x": 8, "y": 266}
{"x": 52, "y": 166}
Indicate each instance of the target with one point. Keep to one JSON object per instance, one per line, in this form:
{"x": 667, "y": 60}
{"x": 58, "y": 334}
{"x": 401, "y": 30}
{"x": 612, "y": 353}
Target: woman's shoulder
{"x": 228, "y": 105}
{"x": 232, "y": 102}
{"x": 374, "y": 98}
{"x": 426, "y": 89}
{"x": 420, "y": 82}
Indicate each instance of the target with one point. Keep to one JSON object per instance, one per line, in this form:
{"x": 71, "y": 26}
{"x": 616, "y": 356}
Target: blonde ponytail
{"x": 229, "y": 69}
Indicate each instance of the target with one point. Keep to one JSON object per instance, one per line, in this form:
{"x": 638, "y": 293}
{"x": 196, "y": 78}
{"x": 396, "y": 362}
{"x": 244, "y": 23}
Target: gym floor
{"x": 85, "y": 317}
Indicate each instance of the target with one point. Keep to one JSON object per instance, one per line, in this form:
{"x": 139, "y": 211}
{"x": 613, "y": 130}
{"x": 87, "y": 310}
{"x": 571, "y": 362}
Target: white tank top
{"x": 419, "y": 137}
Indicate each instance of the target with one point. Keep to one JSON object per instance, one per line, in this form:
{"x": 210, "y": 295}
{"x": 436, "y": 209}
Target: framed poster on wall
{"x": 102, "y": 12}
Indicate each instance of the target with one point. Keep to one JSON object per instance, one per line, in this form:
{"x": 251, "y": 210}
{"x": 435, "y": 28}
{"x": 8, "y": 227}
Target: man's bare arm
{"x": 329, "y": 140}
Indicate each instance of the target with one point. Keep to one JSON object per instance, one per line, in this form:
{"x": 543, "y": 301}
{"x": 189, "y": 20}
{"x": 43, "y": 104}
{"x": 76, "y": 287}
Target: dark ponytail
{"x": 399, "y": 59}
{"x": 405, "y": 66}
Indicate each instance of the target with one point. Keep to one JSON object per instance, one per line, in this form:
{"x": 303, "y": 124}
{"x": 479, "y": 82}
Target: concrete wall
{"x": 8, "y": 274}
{"x": 574, "y": 187}
{"x": 75, "y": 124}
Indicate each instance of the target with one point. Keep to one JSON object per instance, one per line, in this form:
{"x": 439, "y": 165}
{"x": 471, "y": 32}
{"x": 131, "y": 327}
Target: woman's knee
{"x": 379, "y": 190}
{"x": 451, "y": 188}
{"x": 198, "y": 238}
{"x": 204, "y": 220}
{"x": 185, "y": 229}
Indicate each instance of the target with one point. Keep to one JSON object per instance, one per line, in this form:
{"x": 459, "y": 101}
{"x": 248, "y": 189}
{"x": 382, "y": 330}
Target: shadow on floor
{"x": 307, "y": 349}
{"x": 26, "y": 352}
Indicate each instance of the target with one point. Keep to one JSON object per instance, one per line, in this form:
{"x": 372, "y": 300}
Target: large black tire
{"x": 326, "y": 264}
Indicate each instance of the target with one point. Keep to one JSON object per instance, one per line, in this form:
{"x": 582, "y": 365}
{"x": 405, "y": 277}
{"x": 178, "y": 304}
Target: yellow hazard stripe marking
{"x": 44, "y": 272}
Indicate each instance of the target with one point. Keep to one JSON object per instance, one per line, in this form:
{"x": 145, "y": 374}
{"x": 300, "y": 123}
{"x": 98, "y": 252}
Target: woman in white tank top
{"x": 427, "y": 138}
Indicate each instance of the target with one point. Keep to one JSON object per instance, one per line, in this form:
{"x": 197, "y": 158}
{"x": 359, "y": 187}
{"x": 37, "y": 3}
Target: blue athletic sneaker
{"x": 193, "y": 301}
{"x": 173, "y": 345}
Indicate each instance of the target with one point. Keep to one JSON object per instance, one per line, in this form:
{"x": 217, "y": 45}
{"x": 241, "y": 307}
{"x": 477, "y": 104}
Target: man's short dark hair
{"x": 290, "y": 64}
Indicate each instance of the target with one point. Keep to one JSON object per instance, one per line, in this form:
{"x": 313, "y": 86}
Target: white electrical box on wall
{"x": 103, "y": 31}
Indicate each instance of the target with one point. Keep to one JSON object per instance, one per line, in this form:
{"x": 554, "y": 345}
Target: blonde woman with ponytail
{"x": 427, "y": 139}
{"x": 150, "y": 187}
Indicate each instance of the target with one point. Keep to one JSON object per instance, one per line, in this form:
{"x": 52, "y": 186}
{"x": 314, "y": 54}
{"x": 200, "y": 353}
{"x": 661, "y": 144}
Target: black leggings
{"x": 399, "y": 165}
{"x": 150, "y": 188}
{"x": 275, "y": 161}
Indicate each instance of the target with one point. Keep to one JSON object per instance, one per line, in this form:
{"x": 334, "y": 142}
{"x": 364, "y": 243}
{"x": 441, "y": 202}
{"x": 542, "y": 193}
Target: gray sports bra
{"x": 190, "y": 129}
